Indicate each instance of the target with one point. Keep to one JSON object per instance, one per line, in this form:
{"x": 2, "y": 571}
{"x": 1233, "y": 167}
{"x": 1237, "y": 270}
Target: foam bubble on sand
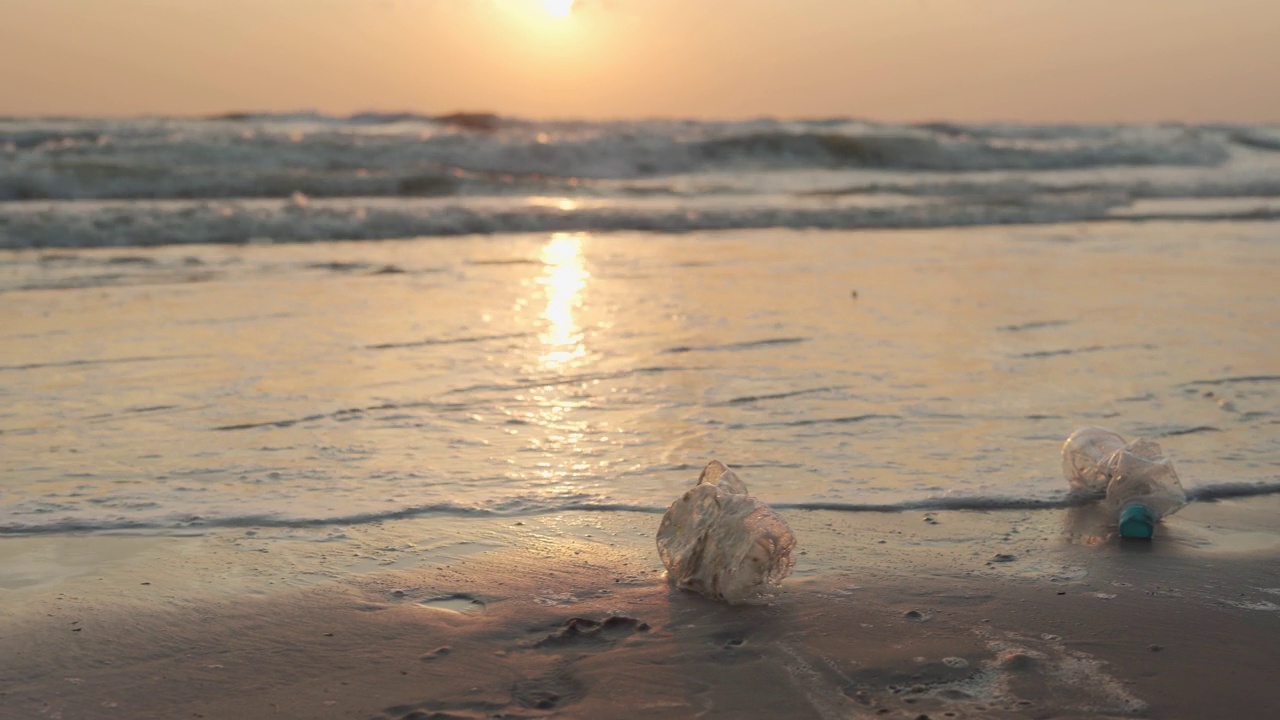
{"x": 1262, "y": 605}
{"x": 1084, "y": 672}
{"x": 1023, "y": 670}
{"x": 986, "y": 686}
{"x": 552, "y": 599}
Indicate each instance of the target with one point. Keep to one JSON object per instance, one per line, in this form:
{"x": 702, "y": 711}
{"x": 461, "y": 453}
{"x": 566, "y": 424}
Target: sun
{"x": 558, "y": 8}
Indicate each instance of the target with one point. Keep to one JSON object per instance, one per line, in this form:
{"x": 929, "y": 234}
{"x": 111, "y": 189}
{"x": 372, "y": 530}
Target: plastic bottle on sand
{"x": 719, "y": 541}
{"x": 1085, "y": 456}
{"x": 1143, "y": 488}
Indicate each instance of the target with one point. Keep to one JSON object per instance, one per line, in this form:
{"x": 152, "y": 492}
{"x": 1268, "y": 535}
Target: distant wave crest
{"x": 304, "y": 177}
{"x": 408, "y": 155}
{"x": 904, "y": 152}
{"x": 303, "y": 220}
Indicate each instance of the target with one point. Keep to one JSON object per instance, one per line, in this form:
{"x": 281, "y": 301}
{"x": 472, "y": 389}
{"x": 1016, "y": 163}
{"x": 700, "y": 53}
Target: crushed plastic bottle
{"x": 1143, "y": 488}
{"x": 719, "y": 541}
{"x": 1084, "y": 459}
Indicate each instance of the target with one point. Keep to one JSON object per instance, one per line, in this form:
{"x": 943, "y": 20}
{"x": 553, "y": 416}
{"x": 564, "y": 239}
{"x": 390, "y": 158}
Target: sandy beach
{"x": 421, "y": 479}
{"x": 1009, "y": 614}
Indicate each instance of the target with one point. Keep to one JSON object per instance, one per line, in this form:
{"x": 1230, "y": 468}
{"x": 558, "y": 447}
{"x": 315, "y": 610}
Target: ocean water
{"x": 492, "y": 317}
{"x": 307, "y": 177}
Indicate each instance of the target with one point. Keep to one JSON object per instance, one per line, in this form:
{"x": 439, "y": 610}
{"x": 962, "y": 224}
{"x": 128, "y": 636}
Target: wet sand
{"x": 1008, "y": 614}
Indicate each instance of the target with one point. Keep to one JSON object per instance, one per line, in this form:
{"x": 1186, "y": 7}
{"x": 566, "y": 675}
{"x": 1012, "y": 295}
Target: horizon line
{"x": 465, "y": 115}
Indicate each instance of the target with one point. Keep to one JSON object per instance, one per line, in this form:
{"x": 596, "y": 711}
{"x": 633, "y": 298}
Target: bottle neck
{"x": 1137, "y": 521}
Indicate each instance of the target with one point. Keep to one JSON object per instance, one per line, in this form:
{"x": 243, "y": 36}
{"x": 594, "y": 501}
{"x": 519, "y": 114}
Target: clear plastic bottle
{"x": 1085, "y": 456}
{"x": 719, "y": 541}
{"x": 1143, "y": 489}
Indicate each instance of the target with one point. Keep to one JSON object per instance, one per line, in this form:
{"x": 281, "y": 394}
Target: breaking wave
{"x": 310, "y": 177}
{"x": 403, "y": 154}
{"x": 300, "y": 219}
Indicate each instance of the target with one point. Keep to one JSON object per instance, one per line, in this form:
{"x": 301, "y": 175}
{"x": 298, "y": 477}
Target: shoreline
{"x": 976, "y": 614}
{"x": 339, "y": 389}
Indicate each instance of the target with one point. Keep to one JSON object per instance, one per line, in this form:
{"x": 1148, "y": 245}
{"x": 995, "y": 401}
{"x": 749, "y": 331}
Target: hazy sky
{"x": 1026, "y": 60}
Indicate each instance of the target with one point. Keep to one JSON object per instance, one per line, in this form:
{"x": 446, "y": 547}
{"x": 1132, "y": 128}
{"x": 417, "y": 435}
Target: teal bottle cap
{"x": 1136, "y": 522}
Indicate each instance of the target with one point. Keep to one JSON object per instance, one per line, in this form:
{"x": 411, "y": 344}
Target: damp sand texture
{"x": 577, "y": 622}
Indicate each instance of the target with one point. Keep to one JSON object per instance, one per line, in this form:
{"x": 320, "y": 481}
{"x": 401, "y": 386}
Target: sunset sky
{"x": 1021, "y": 60}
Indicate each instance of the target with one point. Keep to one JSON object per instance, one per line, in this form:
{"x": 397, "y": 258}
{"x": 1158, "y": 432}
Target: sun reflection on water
{"x": 559, "y": 464}
{"x": 564, "y": 278}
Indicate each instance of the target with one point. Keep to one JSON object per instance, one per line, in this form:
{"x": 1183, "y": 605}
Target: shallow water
{"x": 340, "y": 383}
